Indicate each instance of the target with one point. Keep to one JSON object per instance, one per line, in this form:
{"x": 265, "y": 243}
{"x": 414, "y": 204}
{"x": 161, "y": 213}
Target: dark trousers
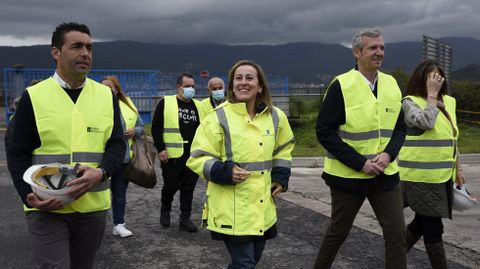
{"x": 118, "y": 187}
{"x": 431, "y": 228}
{"x": 65, "y": 240}
{"x": 388, "y": 208}
{"x": 245, "y": 255}
{"x": 177, "y": 176}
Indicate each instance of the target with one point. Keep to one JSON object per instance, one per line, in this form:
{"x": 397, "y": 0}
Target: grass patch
{"x": 306, "y": 138}
{"x": 469, "y": 137}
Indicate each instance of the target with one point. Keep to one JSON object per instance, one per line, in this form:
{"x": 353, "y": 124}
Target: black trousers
{"x": 177, "y": 176}
{"x": 431, "y": 228}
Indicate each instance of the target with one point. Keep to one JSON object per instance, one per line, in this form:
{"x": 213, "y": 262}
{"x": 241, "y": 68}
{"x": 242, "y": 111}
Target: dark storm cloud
{"x": 239, "y": 22}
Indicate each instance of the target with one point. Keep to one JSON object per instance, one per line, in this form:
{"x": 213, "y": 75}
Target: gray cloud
{"x": 239, "y": 22}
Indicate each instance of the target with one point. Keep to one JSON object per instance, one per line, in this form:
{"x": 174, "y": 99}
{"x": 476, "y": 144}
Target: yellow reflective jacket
{"x": 431, "y": 156}
{"x": 74, "y": 133}
{"x": 257, "y": 145}
{"x": 369, "y": 121}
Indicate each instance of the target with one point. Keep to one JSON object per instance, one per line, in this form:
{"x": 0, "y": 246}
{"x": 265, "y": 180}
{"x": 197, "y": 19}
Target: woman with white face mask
{"x": 216, "y": 90}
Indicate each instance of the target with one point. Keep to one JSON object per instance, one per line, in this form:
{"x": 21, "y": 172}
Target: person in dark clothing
{"x": 173, "y": 136}
{"x": 67, "y": 236}
{"x": 361, "y": 126}
{"x": 9, "y": 132}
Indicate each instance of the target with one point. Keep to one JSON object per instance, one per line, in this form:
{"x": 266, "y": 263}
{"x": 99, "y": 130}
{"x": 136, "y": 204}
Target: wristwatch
{"x": 105, "y": 175}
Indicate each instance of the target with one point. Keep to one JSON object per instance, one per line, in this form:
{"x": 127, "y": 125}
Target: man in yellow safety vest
{"x": 361, "y": 126}
{"x": 174, "y": 124}
{"x": 68, "y": 118}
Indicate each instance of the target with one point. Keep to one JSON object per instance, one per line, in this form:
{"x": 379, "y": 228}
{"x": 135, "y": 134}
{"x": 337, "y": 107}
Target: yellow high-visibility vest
{"x": 73, "y": 133}
{"x": 431, "y": 156}
{"x": 257, "y": 145}
{"x": 369, "y": 121}
{"x": 206, "y": 106}
{"x": 130, "y": 117}
{"x": 171, "y": 126}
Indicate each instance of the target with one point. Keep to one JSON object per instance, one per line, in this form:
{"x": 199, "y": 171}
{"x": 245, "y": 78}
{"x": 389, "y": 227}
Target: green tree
{"x": 467, "y": 94}
{"x": 401, "y": 76}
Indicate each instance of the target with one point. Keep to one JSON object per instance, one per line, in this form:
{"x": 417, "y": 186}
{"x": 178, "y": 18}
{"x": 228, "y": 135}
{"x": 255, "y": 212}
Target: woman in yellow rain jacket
{"x": 243, "y": 149}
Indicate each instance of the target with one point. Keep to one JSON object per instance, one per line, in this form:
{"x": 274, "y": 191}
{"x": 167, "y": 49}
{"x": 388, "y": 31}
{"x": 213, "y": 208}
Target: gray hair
{"x": 369, "y": 32}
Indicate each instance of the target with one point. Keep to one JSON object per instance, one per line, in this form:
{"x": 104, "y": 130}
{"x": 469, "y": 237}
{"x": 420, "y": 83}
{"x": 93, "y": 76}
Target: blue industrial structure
{"x": 143, "y": 86}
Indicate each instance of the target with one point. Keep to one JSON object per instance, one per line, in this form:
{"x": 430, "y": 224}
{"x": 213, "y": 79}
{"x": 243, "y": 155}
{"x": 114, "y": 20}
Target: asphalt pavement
{"x": 303, "y": 215}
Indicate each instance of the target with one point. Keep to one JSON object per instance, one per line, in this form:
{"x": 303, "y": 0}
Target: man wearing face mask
{"x": 172, "y": 136}
{"x": 216, "y": 89}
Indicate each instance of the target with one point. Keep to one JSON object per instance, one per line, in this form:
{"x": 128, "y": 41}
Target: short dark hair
{"x": 180, "y": 78}
{"x": 417, "y": 85}
{"x": 58, "y": 36}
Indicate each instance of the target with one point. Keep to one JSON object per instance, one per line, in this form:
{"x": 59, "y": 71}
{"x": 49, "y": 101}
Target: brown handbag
{"x": 141, "y": 168}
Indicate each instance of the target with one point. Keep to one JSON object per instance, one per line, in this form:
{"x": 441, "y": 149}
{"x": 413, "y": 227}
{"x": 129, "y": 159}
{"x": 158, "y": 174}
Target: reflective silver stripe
{"x": 425, "y": 165}
{"x": 256, "y": 166}
{"x": 279, "y": 148}
{"x": 365, "y": 135}
{"x": 174, "y": 145}
{"x": 171, "y": 130}
{"x": 282, "y": 163}
{"x": 59, "y": 158}
{"x": 368, "y": 156}
{"x": 275, "y": 121}
{"x": 207, "y": 168}
{"x": 222, "y": 119}
{"x": 199, "y": 152}
{"x": 101, "y": 186}
{"x": 386, "y": 133}
{"x": 90, "y": 157}
{"x": 428, "y": 143}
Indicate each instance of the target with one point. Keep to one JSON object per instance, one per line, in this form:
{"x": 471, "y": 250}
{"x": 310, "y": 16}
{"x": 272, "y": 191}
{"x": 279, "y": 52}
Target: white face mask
{"x": 188, "y": 93}
{"x": 218, "y": 95}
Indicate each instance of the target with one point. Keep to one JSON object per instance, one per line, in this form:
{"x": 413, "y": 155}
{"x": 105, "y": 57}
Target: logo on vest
{"x": 390, "y": 110}
{"x": 94, "y": 130}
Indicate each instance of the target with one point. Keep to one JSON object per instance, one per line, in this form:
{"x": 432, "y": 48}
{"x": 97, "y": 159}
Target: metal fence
{"x": 144, "y": 87}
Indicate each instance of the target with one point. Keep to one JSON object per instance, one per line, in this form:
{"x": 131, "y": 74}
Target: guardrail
{"x": 472, "y": 117}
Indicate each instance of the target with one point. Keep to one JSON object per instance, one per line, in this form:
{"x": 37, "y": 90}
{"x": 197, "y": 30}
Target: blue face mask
{"x": 188, "y": 93}
{"x": 218, "y": 95}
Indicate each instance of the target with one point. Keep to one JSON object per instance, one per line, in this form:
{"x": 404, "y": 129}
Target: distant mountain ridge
{"x": 302, "y": 62}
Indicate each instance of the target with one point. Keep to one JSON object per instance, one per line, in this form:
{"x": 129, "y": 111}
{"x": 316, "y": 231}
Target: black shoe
{"x": 165, "y": 218}
{"x": 187, "y": 226}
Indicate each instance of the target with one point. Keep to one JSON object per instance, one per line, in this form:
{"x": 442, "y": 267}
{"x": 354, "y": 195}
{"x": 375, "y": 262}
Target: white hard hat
{"x": 462, "y": 199}
{"x": 49, "y": 180}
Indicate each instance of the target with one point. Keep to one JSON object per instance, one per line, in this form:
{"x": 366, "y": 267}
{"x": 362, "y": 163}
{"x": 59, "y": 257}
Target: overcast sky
{"x": 24, "y": 22}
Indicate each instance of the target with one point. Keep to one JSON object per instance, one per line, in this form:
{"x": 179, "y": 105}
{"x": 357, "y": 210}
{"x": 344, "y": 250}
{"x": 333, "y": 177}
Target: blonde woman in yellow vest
{"x": 133, "y": 127}
{"x": 174, "y": 124}
{"x": 68, "y": 118}
{"x": 243, "y": 149}
{"x": 429, "y": 160}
